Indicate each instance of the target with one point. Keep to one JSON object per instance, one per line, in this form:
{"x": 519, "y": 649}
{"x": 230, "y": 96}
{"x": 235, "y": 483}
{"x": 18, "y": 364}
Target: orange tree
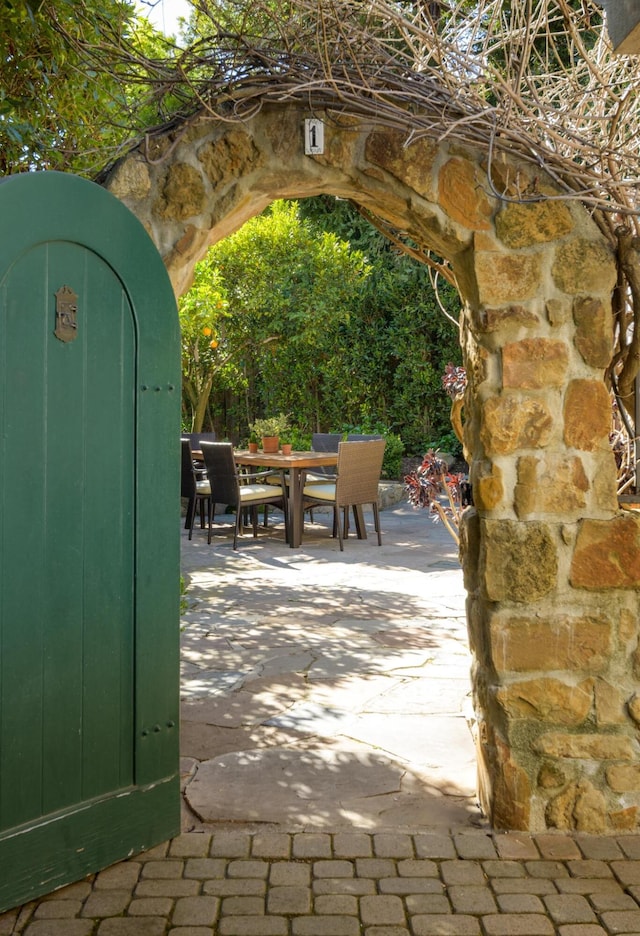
{"x": 205, "y": 350}
{"x": 277, "y": 295}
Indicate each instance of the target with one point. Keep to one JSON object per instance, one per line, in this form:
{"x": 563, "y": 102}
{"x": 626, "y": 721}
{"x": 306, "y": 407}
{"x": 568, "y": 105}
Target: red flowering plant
{"x": 444, "y": 493}
{"x": 454, "y": 382}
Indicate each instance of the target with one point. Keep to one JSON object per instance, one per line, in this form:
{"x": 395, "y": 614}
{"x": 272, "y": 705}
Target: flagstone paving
{"x": 325, "y": 689}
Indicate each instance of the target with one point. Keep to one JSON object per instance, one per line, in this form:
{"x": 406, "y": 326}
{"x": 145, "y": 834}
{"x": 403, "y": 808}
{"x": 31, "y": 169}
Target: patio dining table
{"x": 297, "y": 464}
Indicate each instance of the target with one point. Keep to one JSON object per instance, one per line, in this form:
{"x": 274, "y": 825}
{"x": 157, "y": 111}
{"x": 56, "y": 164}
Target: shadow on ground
{"x": 323, "y": 689}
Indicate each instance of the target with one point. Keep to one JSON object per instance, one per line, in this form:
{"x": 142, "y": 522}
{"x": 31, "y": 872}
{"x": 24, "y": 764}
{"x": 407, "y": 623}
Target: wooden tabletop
{"x": 294, "y": 460}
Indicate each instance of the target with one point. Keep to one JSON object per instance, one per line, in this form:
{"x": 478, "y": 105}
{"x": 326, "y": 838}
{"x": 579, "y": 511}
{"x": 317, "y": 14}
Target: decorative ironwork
{"x": 66, "y": 314}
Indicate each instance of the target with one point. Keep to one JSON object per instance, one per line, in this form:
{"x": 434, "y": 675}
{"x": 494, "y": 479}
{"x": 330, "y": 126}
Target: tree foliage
{"x": 288, "y": 291}
{"x": 80, "y": 81}
{"x": 401, "y": 341}
{"x": 330, "y": 325}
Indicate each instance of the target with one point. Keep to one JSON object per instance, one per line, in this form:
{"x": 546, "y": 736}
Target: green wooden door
{"x": 89, "y": 561}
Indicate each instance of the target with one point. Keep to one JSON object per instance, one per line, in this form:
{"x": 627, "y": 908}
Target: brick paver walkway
{"x": 240, "y": 883}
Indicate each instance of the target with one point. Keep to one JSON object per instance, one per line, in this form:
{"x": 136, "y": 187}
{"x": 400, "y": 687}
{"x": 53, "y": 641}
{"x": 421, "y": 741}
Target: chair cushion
{"x": 257, "y": 492}
{"x": 313, "y": 478}
{"x": 203, "y": 487}
{"x": 320, "y": 491}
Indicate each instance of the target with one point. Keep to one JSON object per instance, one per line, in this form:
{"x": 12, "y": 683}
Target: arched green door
{"x": 89, "y": 561}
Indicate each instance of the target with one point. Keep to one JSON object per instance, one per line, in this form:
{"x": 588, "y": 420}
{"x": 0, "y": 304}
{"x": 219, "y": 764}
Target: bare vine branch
{"x": 536, "y": 79}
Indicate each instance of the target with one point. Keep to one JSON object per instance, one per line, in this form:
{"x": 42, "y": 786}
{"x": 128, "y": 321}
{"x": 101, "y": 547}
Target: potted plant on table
{"x": 269, "y": 430}
{"x": 286, "y": 445}
{"x": 254, "y": 441}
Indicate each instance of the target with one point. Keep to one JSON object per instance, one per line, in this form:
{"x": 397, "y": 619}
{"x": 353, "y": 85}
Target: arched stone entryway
{"x": 551, "y": 566}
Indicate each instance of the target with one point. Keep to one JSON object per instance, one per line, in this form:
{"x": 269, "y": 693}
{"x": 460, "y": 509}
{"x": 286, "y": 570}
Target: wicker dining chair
{"x": 324, "y": 442}
{"x": 194, "y": 486}
{"x": 240, "y": 491}
{"x": 357, "y": 476}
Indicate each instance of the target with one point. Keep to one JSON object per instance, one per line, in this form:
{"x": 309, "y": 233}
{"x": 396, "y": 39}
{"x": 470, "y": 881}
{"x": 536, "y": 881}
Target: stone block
{"x": 469, "y": 532}
{"x": 462, "y": 871}
{"x": 581, "y": 807}
{"x": 558, "y": 312}
{"x": 551, "y": 776}
{"x": 312, "y": 845}
{"x": 382, "y": 909}
{"x": 607, "y": 554}
{"x": 585, "y": 746}
{"x": 507, "y": 318}
{"x": 519, "y": 560}
{"x": 633, "y": 707}
{"x": 510, "y": 422}
{"x": 461, "y": 924}
{"x": 583, "y": 267}
{"x": 392, "y": 845}
{"x": 534, "y": 363}
{"x": 609, "y": 704}
{"x": 182, "y": 194}
{"x": 472, "y": 899}
{"x": 488, "y": 485}
{"x": 547, "y": 700}
{"x": 554, "y": 848}
{"x": 195, "y": 911}
{"x": 514, "y": 847}
{"x": 627, "y": 627}
{"x": 462, "y": 196}
{"x": 289, "y": 900}
{"x": 594, "y": 331}
{"x": 624, "y": 820}
{"x": 561, "y": 642}
{"x": 434, "y": 845}
{"x": 604, "y": 482}
{"x": 524, "y": 224}
{"x": 555, "y": 484}
{"x": 511, "y": 801}
{"x": 587, "y": 415}
{"x": 507, "y": 278}
{"x": 623, "y": 778}
{"x": 412, "y": 165}
{"x": 130, "y": 179}
{"x": 229, "y": 157}
{"x": 342, "y": 136}
{"x": 569, "y": 908}
{"x": 352, "y": 845}
{"x": 291, "y": 874}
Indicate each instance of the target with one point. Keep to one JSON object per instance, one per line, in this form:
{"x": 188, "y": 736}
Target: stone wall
{"x": 552, "y": 567}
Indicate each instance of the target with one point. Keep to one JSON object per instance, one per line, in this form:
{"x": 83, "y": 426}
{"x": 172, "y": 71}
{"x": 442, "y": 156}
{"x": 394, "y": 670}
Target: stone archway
{"x": 551, "y": 566}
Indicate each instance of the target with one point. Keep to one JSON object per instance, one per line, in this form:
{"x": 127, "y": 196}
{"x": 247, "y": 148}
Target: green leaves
{"x": 310, "y": 324}
{"x": 76, "y": 83}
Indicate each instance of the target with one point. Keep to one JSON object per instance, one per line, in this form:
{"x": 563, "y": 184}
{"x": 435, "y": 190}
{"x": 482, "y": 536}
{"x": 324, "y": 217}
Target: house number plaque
{"x": 66, "y": 314}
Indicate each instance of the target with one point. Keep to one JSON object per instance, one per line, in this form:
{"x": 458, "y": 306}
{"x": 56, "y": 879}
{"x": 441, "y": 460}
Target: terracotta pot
{"x": 253, "y": 446}
{"x": 270, "y": 445}
{"x": 286, "y": 448}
